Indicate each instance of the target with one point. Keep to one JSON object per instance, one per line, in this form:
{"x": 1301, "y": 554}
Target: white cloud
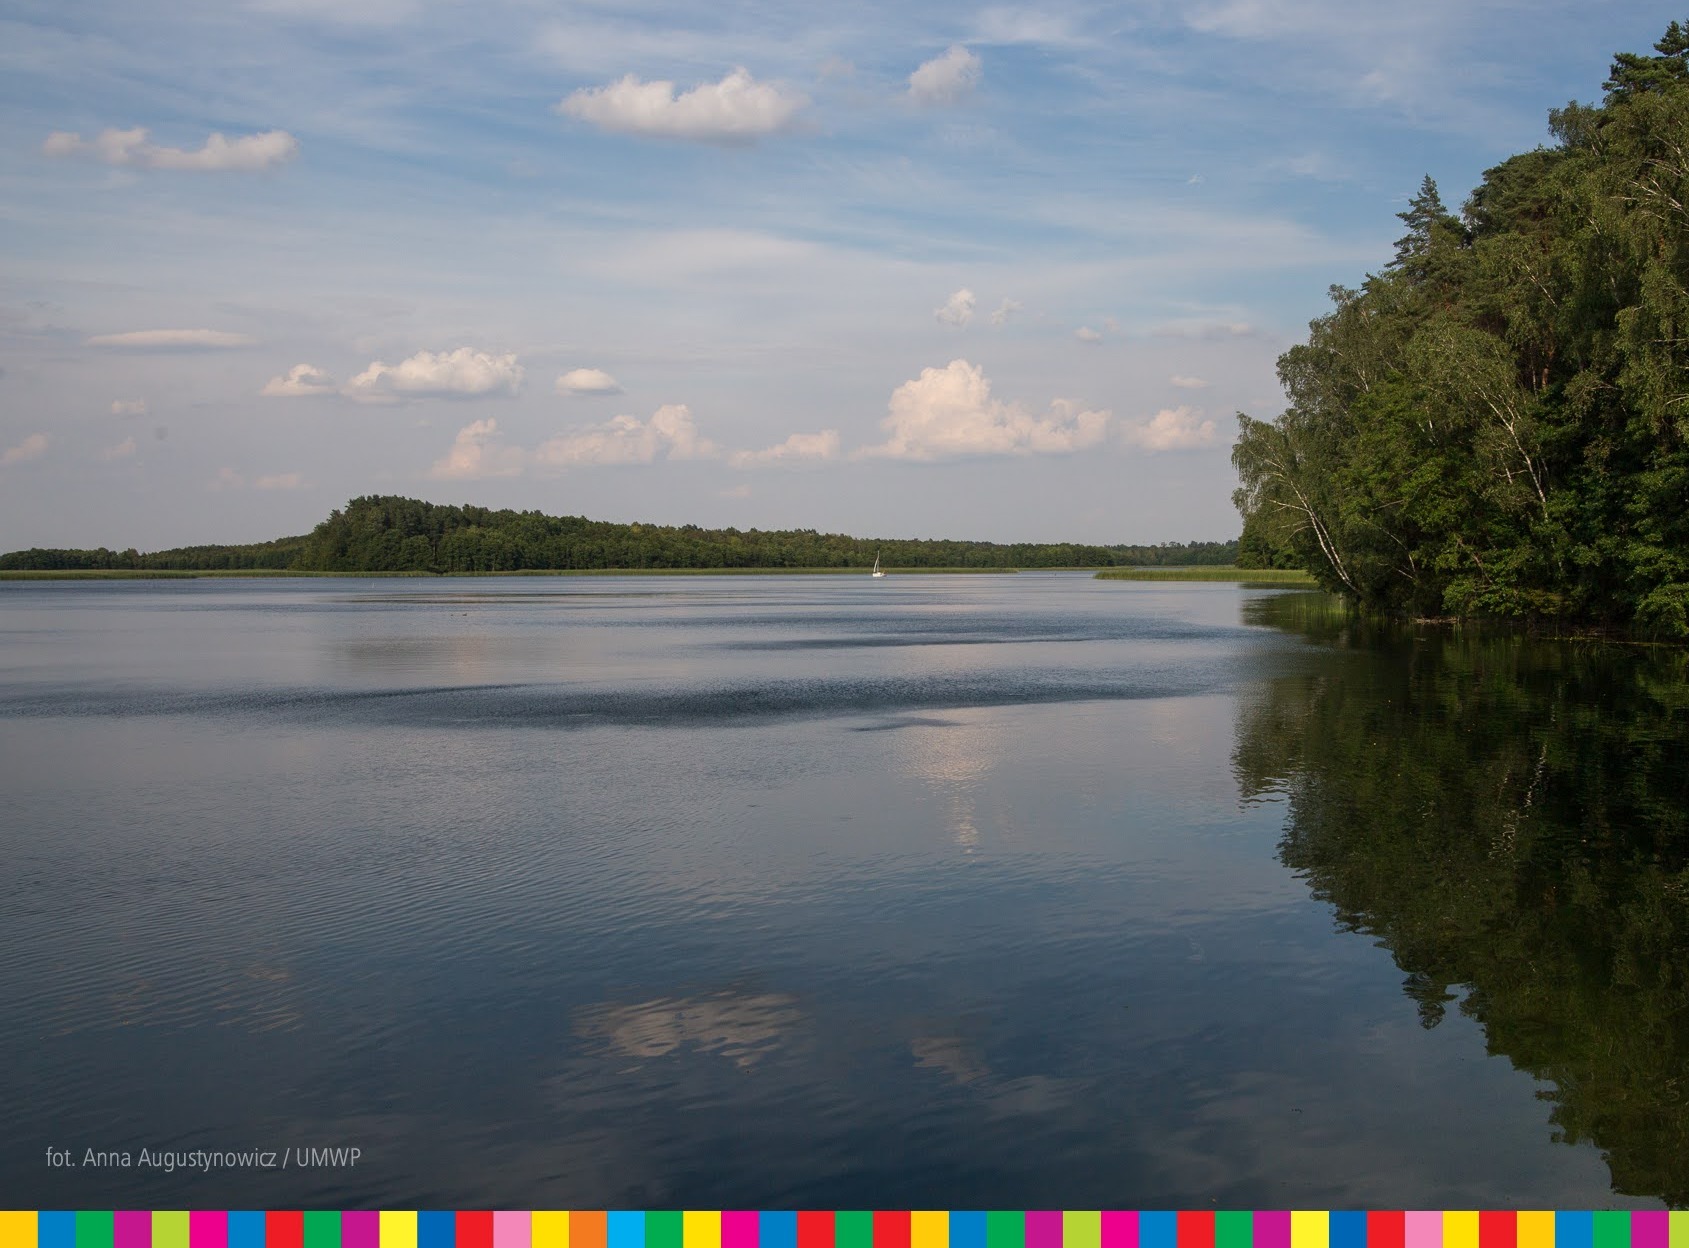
{"x": 1086, "y": 334}
{"x": 588, "y": 381}
{"x": 958, "y": 309}
{"x": 144, "y": 338}
{"x": 671, "y": 433}
{"x": 122, "y": 450}
{"x": 128, "y": 407}
{"x": 461, "y": 374}
{"x": 736, "y": 491}
{"x": 1187, "y": 383}
{"x": 246, "y": 154}
{"x": 736, "y": 110}
{"x": 478, "y": 452}
{"x": 797, "y": 448}
{"x": 948, "y": 412}
{"x": 1004, "y": 311}
{"x": 32, "y": 447}
{"x": 1171, "y": 429}
{"x": 1206, "y": 329}
{"x": 300, "y": 381}
{"x": 945, "y": 79}
{"x": 279, "y": 481}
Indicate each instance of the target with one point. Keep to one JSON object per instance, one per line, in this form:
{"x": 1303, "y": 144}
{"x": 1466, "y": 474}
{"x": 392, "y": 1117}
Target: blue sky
{"x": 938, "y": 270}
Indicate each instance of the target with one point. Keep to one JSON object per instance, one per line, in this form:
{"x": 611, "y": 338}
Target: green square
{"x": 95, "y": 1228}
{"x": 1005, "y": 1229}
{"x": 1234, "y": 1228}
{"x": 322, "y": 1228}
{"x": 1612, "y": 1229}
{"x": 853, "y": 1228}
{"x": 664, "y": 1228}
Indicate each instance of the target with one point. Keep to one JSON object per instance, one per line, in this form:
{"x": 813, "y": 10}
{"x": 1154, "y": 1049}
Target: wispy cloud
{"x": 173, "y": 339}
{"x": 799, "y": 448}
{"x": 128, "y": 407}
{"x": 946, "y": 78}
{"x": 958, "y": 310}
{"x": 1171, "y": 429}
{"x": 32, "y": 447}
{"x": 737, "y": 110}
{"x": 219, "y": 154}
{"x": 299, "y": 382}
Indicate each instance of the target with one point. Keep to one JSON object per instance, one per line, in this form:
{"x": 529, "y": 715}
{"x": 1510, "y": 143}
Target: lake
{"x": 1021, "y": 891}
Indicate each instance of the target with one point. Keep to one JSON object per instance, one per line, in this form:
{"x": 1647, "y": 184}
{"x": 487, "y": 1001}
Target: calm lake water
{"x": 1023, "y": 891}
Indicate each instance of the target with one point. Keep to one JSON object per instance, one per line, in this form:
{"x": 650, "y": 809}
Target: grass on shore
{"x": 1249, "y": 576}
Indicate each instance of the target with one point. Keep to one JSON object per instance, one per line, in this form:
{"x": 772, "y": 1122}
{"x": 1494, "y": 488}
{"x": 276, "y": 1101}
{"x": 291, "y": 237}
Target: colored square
{"x": 624, "y": 1228}
{"x": 701, "y": 1228}
{"x": 1423, "y": 1228}
{"x": 246, "y": 1228}
{"x": 738, "y": 1228}
{"x": 56, "y": 1228}
{"x": 209, "y": 1228}
{"x": 1679, "y": 1228}
{"x": 1235, "y": 1228}
{"x": 1612, "y": 1229}
{"x": 1195, "y": 1228}
{"x": 1081, "y": 1228}
{"x": 398, "y": 1228}
{"x": 1120, "y": 1228}
{"x": 1272, "y": 1228}
{"x": 131, "y": 1228}
{"x": 1536, "y": 1228}
{"x": 815, "y": 1228}
{"x": 588, "y": 1228}
{"x": 547, "y": 1228}
{"x": 1158, "y": 1228}
{"x": 170, "y": 1228}
{"x": 1005, "y": 1228}
{"x": 322, "y": 1229}
{"x": 359, "y": 1228}
{"x": 891, "y": 1228}
{"x": 1650, "y": 1228}
{"x": 1347, "y": 1228}
{"x": 1497, "y": 1228}
{"x": 1311, "y": 1228}
{"x": 853, "y": 1228}
{"x": 1043, "y": 1228}
{"x": 776, "y": 1228}
{"x": 1574, "y": 1228}
{"x": 664, "y": 1228}
{"x": 474, "y": 1229}
{"x": 436, "y": 1228}
{"x": 18, "y": 1228}
{"x": 285, "y": 1228}
{"x": 1460, "y": 1228}
{"x": 1386, "y": 1228}
{"x": 967, "y": 1228}
{"x": 928, "y": 1228}
{"x": 94, "y": 1228}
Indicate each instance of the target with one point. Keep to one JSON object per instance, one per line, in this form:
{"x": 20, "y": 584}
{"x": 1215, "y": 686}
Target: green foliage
{"x": 1498, "y": 423}
{"x": 388, "y": 534}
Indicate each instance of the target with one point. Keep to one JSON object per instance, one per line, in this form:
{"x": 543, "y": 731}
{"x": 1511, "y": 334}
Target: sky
{"x": 938, "y": 270}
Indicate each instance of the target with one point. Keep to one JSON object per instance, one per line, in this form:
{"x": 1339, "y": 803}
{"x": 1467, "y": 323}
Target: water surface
{"x": 935, "y": 891}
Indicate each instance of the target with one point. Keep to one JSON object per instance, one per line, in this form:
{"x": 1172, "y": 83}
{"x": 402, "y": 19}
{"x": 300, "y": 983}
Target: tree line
{"x": 1498, "y": 423}
{"x": 391, "y": 534}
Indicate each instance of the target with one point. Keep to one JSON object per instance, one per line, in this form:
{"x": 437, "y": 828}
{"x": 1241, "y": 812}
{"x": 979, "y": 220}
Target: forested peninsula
{"x": 388, "y": 534}
{"x": 1496, "y": 424}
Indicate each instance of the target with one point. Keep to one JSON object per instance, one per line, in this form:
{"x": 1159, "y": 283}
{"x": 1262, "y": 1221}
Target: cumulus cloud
{"x": 795, "y": 449}
{"x": 1171, "y": 429}
{"x": 461, "y": 374}
{"x": 949, "y": 412}
{"x": 122, "y": 450}
{"x": 588, "y": 381}
{"x": 958, "y": 309}
{"x": 128, "y": 407}
{"x": 246, "y": 154}
{"x": 142, "y": 339}
{"x": 1004, "y": 311}
{"x": 1188, "y": 383}
{"x": 32, "y": 447}
{"x": 737, "y": 110}
{"x": 670, "y": 433}
{"x": 478, "y": 452}
{"x": 1086, "y": 334}
{"x": 300, "y": 381}
{"x": 945, "y": 79}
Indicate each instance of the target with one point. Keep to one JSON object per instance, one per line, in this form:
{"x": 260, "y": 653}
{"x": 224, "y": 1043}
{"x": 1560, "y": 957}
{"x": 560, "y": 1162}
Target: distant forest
{"x": 1498, "y": 423}
{"x": 387, "y": 534}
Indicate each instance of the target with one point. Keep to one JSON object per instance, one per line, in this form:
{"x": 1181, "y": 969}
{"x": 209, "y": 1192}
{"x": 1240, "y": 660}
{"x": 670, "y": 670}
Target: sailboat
{"x": 877, "y": 571}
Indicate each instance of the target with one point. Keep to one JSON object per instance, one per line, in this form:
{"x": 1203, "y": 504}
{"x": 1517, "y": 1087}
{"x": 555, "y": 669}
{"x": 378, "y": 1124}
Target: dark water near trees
{"x": 1028, "y": 891}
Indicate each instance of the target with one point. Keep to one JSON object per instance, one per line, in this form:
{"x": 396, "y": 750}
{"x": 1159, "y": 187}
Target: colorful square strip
{"x": 740, "y": 1228}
